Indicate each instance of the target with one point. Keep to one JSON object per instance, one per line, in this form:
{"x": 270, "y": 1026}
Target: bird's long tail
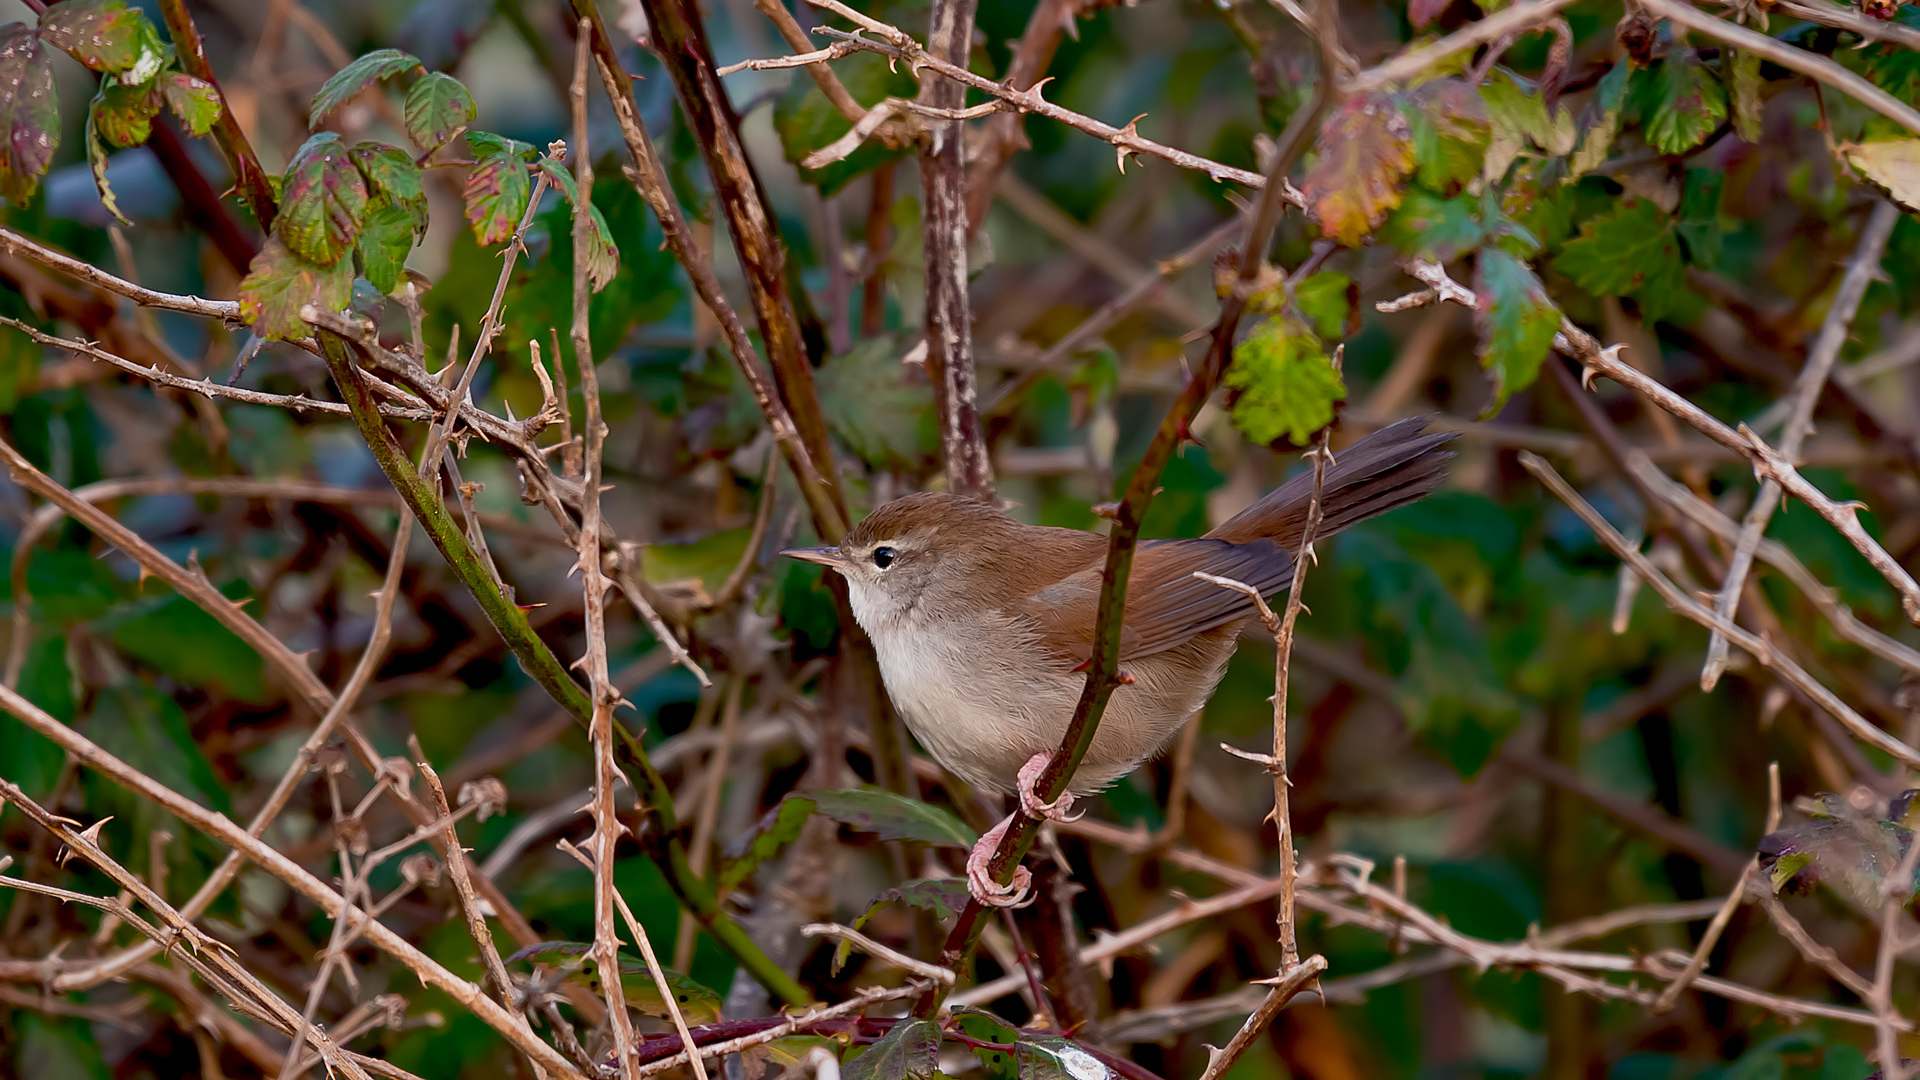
{"x": 1394, "y": 466}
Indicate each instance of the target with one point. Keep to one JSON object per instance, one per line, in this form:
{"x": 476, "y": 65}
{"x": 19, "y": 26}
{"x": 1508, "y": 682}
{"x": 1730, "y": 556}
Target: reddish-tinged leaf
{"x": 323, "y": 200}
{"x": 29, "y": 112}
{"x": 1516, "y": 319}
{"x": 123, "y": 115}
{"x": 1366, "y": 152}
{"x": 497, "y": 193}
{"x": 196, "y": 103}
{"x": 102, "y": 34}
{"x": 347, "y": 83}
{"x": 438, "y": 107}
{"x": 281, "y": 283}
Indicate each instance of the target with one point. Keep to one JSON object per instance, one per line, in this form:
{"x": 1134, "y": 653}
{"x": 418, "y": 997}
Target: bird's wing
{"x": 1166, "y": 604}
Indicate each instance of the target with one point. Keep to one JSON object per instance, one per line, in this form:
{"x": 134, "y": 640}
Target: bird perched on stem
{"x": 983, "y": 625}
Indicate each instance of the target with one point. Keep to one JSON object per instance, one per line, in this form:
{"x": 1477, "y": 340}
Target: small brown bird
{"x": 983, "y": 625}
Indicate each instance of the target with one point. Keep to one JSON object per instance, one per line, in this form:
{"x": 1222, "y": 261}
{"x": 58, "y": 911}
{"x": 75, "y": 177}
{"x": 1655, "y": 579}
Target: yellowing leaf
{"x": 1892, "y": 166}
{"x": 1283, "y": 382}
{"x": 1366, "y": 152}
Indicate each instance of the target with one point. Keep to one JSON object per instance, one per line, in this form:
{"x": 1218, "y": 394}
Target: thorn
{"x": 1587, "y": 375}
{"x": 1120, "y": 152}
{"x": 91, "y": 834}
{"x": 1123, "y": 678}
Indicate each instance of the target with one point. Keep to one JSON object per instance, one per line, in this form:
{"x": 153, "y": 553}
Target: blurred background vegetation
{"x": 1476, "y": 690}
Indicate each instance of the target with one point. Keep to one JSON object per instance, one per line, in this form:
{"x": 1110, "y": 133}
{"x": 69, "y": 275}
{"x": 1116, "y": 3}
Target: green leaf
{"x": 1516, "y": 320}
{"x": 29, "y": 113}
{"x": 102, "y": 34}
{"x": 1451, "y": 132}
{"x": 496, "y": 194}
{"x": 323, "y": 200}
{"x": 778, "y": 828}
{"x": 437, "y": 108}
{"x": 1679, "y": 104}
{"x": 1327, "y": 299}
{"x": 280, "y": 283}
{"x": 1283, "y": 383}
{"x": 485, "y": 143}
{"x": 603, "y": 261}
{"x": 1602, "y": 121}
{"x": 196, "y": 103}
{"x": 1519, "y": 117}
{"x": 893, "y": 817}
{"x": 1432, "y": 227}
{"x": 177, "y": 638}
{"x": 392, "y": 177}
{"x": 123, "y": 115}
{"x": 135, "y": 723}
{"x": 806, "y": 121}
{"x": 97, "y": 163}
{"x": 1622, "y": 252}
{"x": 1699, "y": 222}
{"x": 910, "y": 1050}
{"x": 385, "y": 242}
{"x": 1365, "y": 152}
{"x": 347, "y": 83}
{"x": 875, "y": 408}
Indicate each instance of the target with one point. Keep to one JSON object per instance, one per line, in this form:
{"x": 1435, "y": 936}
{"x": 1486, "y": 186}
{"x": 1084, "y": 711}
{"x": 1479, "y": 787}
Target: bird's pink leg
{"x": 1028, "y": 780}
{"x": 980, "y": 881}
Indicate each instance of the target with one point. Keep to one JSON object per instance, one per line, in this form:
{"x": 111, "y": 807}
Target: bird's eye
{"x": 883, "y": 557}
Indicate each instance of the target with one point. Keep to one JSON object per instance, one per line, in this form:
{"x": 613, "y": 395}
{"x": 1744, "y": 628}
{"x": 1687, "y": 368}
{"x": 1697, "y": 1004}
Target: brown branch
{"x": 225, "y": 832}
{"x": 1862, "y": 268}
{"x": 1002, "y": 135}
{"x": 605, "y": 953}
{"x": 1679, "y": 601}
{"x": 1125, "y": 140}
{"x": 650, "y": 178}
{"x": 1103, "y": 666}
{"x": 1814, "y": 66}
{"x": 949, "y": 313}
{"x": 248, "y": 176}
{"x": 1412, "y": 62}
{"x": 1581, "y": 346}
{"x": 679, "y": 37}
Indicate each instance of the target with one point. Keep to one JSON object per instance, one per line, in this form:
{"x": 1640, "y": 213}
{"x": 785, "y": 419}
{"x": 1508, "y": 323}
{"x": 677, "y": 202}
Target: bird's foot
{"x": 1029, "y": 779}
{"x": 980, "y": 883}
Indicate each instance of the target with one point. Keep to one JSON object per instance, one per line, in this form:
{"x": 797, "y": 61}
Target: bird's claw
{"x": 1030, "y": 804}
{"x": 980, "y": 883}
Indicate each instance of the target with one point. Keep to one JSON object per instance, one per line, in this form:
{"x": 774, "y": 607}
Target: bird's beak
{"x": 825, "y": 556}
